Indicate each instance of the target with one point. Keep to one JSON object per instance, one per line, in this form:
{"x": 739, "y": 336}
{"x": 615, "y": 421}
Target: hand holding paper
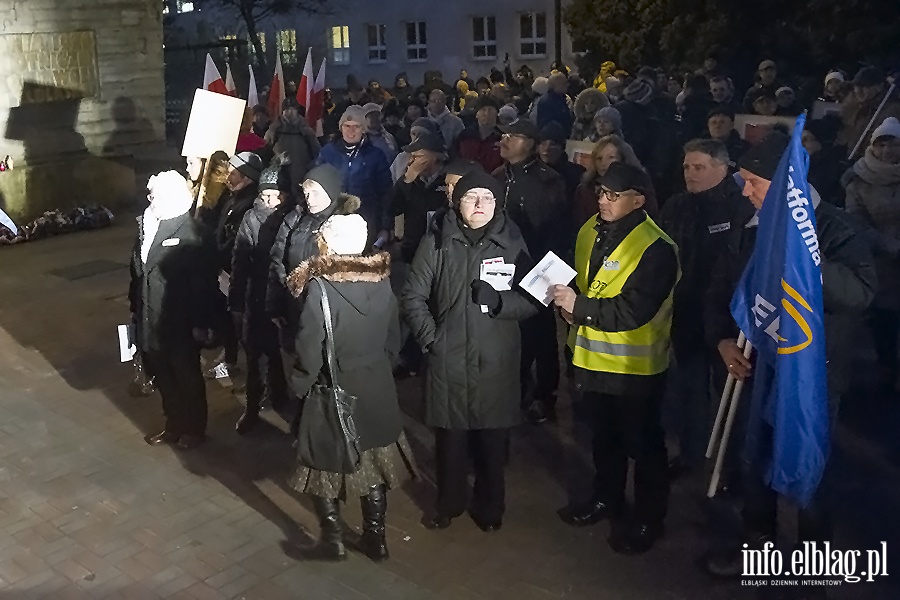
{"x": 498, "y": 274}
{"x": 551, "y": 271}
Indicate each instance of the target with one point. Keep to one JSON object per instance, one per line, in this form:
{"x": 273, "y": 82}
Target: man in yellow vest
{"x": 627, "y": 268}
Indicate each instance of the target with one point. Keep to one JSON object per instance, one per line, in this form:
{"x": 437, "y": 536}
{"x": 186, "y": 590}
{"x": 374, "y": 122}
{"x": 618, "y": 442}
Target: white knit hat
{"x": 345, "y": 234}
{"x": 890, "y": 127}
{"x": 834, "y": 75}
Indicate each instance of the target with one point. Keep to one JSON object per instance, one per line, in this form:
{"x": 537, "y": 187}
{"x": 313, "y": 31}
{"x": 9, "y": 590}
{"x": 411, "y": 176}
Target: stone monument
{"x": 81, "y": 93}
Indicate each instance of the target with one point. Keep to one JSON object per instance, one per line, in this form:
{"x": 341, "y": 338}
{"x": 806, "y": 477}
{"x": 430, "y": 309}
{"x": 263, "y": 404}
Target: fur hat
{"x": 355, "y": 114}
{"x": 890, "y": 127}
{"x": 344, "y": 234}
{"x": 247, "y": 164}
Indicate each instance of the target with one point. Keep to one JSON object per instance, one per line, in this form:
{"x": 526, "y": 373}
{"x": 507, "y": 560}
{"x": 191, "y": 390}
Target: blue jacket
{"x": 367, "y": 176}
{"x": 553, "y": 106}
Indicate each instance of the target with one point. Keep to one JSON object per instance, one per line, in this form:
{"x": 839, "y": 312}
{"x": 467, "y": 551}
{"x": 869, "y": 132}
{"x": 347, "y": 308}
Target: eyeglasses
{"x": 483, "y": 200}
{"x": 507, "y": 136}
{"x": 613, "y": 196}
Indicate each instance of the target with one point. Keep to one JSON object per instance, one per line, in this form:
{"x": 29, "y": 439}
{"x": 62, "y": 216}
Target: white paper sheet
{"x": 224, "y": 283}
{"x": 552, "y": 270}
{"x": 497, "y": 273}
{"x": 127, "y": 349}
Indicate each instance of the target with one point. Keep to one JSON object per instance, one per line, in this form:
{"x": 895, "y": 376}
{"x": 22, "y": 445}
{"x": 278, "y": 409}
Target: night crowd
{"x": 297, "y": 239}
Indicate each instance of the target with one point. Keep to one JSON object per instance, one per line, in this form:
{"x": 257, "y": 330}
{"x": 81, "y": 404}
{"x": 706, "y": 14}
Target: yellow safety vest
{"x": 641, "y": 351}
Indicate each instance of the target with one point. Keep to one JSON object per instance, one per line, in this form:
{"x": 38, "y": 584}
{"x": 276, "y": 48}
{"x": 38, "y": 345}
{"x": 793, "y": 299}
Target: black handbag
{"x": 327, "y": 440}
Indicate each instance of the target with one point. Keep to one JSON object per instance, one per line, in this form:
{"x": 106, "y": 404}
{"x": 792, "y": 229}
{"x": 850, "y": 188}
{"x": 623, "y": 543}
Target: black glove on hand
{"x": 483, "y": 293}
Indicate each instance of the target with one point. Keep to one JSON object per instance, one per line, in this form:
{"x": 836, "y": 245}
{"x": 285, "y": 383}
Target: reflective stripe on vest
{"x": 642, "y": 351}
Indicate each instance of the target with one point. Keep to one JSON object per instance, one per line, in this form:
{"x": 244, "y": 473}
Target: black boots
{"x": 331, "y": 541}
{"x": 374, "y": 509}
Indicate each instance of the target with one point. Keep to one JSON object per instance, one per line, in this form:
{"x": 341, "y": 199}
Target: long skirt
{"x": 388, "y": 465}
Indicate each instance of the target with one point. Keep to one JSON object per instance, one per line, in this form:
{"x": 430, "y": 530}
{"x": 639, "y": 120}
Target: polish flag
{"x": 229, "y": 81}
{"x": 304, "y": 90}
{"x": 212, "y": 80}
{"x": 315, "y": 114}
{"x": 276, "y": 93}
{"x": 252, "y": 94}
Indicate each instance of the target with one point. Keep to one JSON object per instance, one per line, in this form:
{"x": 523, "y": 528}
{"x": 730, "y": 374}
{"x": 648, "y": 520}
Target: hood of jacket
{"x": 586, "y": 96}
{"x": 441, "y": 117}
{"x": 875, "y": 172}
{"x": 338, "y": 268}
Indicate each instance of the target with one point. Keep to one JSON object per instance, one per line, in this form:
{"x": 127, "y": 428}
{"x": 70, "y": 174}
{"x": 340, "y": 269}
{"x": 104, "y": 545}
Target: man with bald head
{"x": 450, "y": 125}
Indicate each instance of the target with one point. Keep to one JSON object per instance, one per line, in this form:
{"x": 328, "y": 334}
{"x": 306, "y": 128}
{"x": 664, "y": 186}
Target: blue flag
{"x": 778, "y": 306}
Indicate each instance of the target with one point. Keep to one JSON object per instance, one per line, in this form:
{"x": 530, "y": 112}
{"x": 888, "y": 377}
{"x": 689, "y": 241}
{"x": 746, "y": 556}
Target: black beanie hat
{"x": 329, "y": 178}
{"x": 478, "y": 179}
{"x": 763, "y": 158}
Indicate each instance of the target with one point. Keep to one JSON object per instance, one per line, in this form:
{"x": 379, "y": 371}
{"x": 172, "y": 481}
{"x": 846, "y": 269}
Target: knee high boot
{"x": 374, "y": 510}
{"x": 331, "y": 542}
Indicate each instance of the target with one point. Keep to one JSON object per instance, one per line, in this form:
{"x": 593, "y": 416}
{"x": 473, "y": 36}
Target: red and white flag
{"x": 304, "y": 90}
{"x": 212, "y": 79}
{"x": 276, "y": 92}
{"x": 229, "y": 81}
{"x": 315, "y": 114}
{"x": 252, "y": 94}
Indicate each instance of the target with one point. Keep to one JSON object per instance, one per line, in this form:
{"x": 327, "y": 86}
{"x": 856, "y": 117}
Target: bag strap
{"x": 329, "y": 332}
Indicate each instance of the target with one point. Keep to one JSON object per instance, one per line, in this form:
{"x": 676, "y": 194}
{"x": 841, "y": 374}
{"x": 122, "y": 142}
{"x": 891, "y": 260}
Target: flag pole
{"x": 723, "y": 404}
{"x": 872, "y": 120}
{"x": 726, "y": 432}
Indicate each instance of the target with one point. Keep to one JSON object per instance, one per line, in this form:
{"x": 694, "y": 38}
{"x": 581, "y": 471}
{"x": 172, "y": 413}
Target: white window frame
{"x": 288, "y": 54}
{"x": 420, "y": 46}
{"x": 380, "y": 46}
{"x": 339, "y": 40}
{"x": 534, "y": 40}
{"x": 486, "y": 43}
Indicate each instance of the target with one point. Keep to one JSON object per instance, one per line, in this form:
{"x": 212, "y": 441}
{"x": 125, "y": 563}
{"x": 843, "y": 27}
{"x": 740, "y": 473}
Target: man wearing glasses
{"x": 627, "y": 270}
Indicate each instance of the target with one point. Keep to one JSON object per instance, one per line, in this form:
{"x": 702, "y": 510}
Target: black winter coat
{"x": 173, "y": 292}
{"x": 701, "y": 225}
{"x": 251, "y": 260}
{"x": 472, "y": 379}
{"x": 414, "y": 201}
{"x": 535, "y": 200}
{"x": 848, "y": 287}
{"x": 366, "y": 338}
{"x": 234, "y": 206}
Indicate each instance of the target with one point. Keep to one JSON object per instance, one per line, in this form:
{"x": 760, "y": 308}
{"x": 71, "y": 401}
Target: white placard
{"x": 552, "y": 270}
{"x": 214, "y": 124}
{"x": 8, "y": 222}
{"x": 127, "y": 349}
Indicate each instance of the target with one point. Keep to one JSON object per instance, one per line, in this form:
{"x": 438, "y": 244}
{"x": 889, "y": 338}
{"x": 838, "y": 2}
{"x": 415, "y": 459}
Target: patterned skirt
{"x": 389, "y": 465}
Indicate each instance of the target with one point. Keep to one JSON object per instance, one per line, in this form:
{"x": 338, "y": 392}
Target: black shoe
{"x": 541, "y": 412}
{"x": 587, "y": 514}
{"x": 636, "y": 539}
{"x": 729, "y": 563}
{"x": 163, "y": 437}
{"x": 330, "y": 546}
{"x": 189, "y": 442}
{"x": 437, "y": 522}
{"x": 488, "y": 527}
{"x": 374, "y": 510}
{"x": 246, "y": 422}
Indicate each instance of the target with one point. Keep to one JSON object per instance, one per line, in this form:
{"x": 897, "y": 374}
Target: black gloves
{"x": 484, "y": 294}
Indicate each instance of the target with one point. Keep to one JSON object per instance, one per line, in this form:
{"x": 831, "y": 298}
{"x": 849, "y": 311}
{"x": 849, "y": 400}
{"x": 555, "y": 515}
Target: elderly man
{"x": 450, "y": 125}
{"x": 848, "y": 286}
{"x": 627, "y": 270}
{"x": 700, "y": 222}
{"x": 536, "y": 202}
{"x": 858, "y": 108}
{"x": 554, "y": 105}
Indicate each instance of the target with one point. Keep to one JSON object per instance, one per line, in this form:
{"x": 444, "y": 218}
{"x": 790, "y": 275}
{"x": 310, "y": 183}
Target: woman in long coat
{"x": 366, "y": 341}
{"x": 472, "y": 388}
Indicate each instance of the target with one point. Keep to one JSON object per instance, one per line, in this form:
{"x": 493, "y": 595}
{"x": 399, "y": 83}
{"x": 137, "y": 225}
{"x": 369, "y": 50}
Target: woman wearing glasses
{"x": 470, "y": 334}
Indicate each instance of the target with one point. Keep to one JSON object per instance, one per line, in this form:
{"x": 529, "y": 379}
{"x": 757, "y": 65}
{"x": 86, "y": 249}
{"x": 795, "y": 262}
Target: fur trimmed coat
{"x": 366, "y": 338}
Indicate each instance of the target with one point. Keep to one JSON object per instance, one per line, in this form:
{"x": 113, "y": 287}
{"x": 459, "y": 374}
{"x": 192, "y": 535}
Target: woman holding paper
{"x": 470, "y": 334}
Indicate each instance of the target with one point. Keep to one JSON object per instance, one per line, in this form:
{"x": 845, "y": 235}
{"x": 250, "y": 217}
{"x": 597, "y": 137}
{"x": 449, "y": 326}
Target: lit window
{"x": 484, "y": 37}
{"x": 185, "y": 7}
{"x": 340, "y": 44}
{"x": 287, "y": 46}
{"x": 261, "y": 36}
{"x": 377, "y": 45}
{"x": 533, "y": 34}
{"x": 416, "y": 42}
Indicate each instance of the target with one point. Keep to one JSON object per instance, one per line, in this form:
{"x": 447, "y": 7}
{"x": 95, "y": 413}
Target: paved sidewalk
{"x": 88, "y": 510}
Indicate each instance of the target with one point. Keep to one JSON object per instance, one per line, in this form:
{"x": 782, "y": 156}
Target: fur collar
{"x": 339, "y": 268}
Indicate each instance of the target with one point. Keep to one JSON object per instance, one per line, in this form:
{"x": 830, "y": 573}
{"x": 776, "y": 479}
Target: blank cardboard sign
{"x": 214, "y": 124}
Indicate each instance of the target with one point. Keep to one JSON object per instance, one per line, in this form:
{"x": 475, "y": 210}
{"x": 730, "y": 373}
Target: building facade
{"x": 378, "y": 40}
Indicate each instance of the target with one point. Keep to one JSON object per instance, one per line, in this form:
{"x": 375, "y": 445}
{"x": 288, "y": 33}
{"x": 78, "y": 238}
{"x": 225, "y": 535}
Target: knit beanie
{"x": 477, "y": 178}
{"x": 890, "y": 127}
{"x": 610, "y": 114}
{"x": 540, "y": 86}
{"x": 247, "y": 164}
{"x": 354, "y": 113}
{"x": 271, "y": 179}
{"x": 763, "y": 158}
{"x": 329, "y": 178}
{"x": 639, "y": 92}
{"x": 345, "y": 234}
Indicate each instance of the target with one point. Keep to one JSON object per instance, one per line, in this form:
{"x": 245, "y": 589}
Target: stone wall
{"x": 81, "y": 94}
